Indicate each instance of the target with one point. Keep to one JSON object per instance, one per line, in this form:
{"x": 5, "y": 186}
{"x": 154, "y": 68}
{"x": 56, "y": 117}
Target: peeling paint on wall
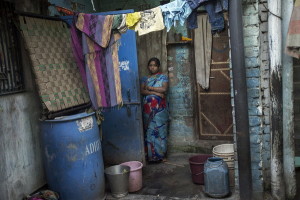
{"x": 124, "y": 65}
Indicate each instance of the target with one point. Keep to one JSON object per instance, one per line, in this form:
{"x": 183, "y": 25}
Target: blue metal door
{"x": 122, "y": 128}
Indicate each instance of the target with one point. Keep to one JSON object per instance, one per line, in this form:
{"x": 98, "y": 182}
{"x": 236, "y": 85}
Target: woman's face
{"x": 153, "y": 68}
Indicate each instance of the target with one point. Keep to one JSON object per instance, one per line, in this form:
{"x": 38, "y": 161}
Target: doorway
{"x": 214, "y": 102}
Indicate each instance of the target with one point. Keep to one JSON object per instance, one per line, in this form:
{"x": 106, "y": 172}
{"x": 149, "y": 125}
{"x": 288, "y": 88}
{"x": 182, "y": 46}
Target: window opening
{"x": 11, "y": 80}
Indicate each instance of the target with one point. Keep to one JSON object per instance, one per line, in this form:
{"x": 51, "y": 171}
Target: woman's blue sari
{"x": 155, "y": 115}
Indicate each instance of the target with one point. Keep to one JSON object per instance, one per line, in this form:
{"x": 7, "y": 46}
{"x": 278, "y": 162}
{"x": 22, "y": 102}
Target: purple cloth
{"x": 110, "y": 73}
{"x": 77, "y": 51}
{"x": 97, "y": 57}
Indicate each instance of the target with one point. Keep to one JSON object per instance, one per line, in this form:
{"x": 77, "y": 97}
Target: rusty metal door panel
{"x": 215, "y": 110}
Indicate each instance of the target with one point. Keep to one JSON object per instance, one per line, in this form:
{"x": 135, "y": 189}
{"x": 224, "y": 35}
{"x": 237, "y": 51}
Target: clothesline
{"x": 96, "y": 52}
{"x": 178, "y": 11}
{"x": 170, "y": 14}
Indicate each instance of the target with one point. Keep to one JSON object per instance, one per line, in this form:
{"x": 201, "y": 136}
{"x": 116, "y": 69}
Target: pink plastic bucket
{"x": 135, "y": 176}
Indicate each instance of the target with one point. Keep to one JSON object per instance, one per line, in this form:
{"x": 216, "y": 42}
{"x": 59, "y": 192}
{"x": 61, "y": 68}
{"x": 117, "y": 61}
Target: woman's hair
{"x": 156, "y": 60}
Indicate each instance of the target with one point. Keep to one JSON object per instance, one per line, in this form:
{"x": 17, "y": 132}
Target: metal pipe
{"x": 275, "y": 38}
{"x": 288, "y": 107}
{"x": 240, "y": 99}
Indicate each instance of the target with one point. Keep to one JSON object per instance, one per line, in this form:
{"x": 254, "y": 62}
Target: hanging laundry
{"x": 122, "y": 28}
{"x": 293, "y": 37}
{"x": 117, "y": 21}
{"x": 132, "y": 19}
{"x": 214, "y": 8}
{"x": 177, "y": 10}
{"x": 97, "y": 56}
{"x": 151, "y": 20}
{"x": 97, "y": 27}
{"x": 202, "y": 50}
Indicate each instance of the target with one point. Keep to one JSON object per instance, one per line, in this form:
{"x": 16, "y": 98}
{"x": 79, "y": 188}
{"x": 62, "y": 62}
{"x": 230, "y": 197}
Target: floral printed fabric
{"x": 155, "y": 115}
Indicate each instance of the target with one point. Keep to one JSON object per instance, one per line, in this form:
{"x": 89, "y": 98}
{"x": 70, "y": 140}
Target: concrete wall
{"x": 21, "y": 170}
{"x": 181, "y": 95}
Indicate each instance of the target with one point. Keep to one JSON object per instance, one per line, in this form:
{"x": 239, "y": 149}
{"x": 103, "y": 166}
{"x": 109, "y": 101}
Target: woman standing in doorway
{"x": 155, "y": 113}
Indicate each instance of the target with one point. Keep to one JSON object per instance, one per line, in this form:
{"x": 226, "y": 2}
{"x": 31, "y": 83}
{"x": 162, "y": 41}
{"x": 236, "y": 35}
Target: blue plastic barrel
{"x": 216, "y": 183}
{"x": 73, "y": 157}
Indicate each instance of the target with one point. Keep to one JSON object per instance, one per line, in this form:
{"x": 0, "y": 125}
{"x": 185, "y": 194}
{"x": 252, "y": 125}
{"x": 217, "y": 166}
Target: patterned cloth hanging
{"x": 96, "y": 52}
{"x": 151, "y": 20}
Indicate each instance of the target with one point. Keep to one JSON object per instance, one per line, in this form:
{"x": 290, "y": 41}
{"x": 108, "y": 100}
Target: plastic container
{"x": 216, "y": 183}
{"x": 197, "y": 167}
{"x": 226, "y": 151}
{"x": 135, "y": 177}
{"x": 118, "y": 178}
{"x": 72, "y": 156}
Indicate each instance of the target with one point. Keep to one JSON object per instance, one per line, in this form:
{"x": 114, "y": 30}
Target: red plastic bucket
{"x": 197, "y": 167}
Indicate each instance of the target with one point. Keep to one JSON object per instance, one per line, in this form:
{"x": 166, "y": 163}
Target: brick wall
{"x": 265, "y": 90}
{"x": 252, "y": 59}
{"x": 257, "y": 74}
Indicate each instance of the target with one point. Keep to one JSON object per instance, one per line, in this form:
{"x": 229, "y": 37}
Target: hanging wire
{"x": 270, "y": 11}
{"x": 93, "y": 5}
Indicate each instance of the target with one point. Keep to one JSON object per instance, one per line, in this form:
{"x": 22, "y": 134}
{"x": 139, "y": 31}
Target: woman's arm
{"x": 145, "y": 91}
{"x": 162, "y": 89}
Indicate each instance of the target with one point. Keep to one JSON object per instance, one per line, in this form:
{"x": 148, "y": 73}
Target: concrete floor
{"x": 170, "y": 180}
